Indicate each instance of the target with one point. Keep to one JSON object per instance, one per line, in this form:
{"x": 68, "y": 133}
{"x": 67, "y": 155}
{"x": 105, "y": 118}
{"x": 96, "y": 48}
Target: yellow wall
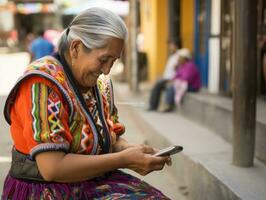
{"x": 154, "y": 21}
{"x": 187, "y": 24}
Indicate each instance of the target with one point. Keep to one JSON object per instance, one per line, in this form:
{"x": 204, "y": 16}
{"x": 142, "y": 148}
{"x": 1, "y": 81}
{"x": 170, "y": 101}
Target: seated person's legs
{"x": 181, "y": 87}
{"x": 156, "y": 94}
{"x": 169, "y": 98}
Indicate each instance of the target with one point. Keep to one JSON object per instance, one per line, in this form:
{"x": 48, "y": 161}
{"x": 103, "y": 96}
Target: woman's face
{"x": 87, "y": 66}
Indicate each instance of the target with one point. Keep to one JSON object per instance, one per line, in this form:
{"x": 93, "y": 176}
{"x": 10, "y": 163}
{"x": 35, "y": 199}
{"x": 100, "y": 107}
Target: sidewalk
{"x": 162, "y": 179}
{"x": 205, "y": 164}
{"x": 11, "y": 67}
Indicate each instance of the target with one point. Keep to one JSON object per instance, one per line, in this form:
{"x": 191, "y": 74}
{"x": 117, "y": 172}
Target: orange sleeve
{"x": 39, "y": 118}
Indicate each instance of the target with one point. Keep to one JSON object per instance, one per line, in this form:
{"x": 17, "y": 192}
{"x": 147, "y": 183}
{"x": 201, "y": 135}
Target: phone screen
{"x": 169, "y": 151}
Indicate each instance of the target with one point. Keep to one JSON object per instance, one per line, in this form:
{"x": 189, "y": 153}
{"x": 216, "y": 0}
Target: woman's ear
{"x": 75, "y": 48}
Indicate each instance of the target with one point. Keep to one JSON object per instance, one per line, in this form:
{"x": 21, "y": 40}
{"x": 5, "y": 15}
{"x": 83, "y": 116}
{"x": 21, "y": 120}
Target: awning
{"x": 119, "y": 7}
{"x": 31, "y": 8}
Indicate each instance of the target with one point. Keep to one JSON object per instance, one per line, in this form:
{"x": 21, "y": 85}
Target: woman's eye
{"x": 103, "y": 60}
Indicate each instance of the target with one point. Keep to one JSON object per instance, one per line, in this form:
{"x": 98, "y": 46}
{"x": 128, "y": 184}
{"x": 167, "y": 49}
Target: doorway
{"x": 202, "y": 32}
{"x": 226, "y": 61}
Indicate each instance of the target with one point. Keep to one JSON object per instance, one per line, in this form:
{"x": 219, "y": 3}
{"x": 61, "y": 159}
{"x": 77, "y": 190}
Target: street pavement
{"x": 12, "y": 66}
{"x": 5, "y": 144}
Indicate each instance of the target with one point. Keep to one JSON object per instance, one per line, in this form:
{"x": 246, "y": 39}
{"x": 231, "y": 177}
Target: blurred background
{"x": 213, "y": 31}
{"x": 205, "y": 27}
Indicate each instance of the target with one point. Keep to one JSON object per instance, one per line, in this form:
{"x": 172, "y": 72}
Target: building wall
{"x": 154, "y": 25}
{"x": 187, "y": 23}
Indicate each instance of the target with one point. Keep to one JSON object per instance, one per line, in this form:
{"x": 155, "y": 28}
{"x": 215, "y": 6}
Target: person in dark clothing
{"x": 169, "y": 73}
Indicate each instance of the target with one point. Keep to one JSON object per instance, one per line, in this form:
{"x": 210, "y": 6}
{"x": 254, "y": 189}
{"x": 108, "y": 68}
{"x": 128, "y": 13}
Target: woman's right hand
{"x": 140, "y": 159}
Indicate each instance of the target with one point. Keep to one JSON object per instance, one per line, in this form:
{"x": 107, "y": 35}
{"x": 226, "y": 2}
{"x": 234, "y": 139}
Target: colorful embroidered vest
{"x": 51, "y": 69}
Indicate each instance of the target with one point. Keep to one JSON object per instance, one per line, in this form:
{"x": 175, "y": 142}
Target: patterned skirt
{"x": 113, "y": 185}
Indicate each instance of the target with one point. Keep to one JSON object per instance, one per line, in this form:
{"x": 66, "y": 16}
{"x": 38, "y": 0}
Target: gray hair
{"x": 93, "y": 27}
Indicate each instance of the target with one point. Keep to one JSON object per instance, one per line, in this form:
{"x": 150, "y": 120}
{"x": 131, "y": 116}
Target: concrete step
{"x": 215, "y": 112}
{"x": 205, "y": 166}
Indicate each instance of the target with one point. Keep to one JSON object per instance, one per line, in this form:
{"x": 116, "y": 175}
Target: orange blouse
{"x": 24, "y": 112}
{"x": 40, "y": 115}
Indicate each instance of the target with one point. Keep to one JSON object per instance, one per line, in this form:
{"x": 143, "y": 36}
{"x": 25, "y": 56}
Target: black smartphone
{"x": 169, "y": 151}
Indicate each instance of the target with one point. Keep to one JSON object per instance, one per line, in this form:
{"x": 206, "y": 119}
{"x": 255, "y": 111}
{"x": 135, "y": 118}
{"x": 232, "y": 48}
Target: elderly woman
{"x": 64, "y": 124}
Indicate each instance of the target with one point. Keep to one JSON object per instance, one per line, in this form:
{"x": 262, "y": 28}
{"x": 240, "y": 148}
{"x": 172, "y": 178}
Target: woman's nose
{"x": 106, "y": 69}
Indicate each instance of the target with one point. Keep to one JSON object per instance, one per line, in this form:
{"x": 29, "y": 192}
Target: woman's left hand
{"x": 122, "y": 144}
{"x": 169, "y": 160}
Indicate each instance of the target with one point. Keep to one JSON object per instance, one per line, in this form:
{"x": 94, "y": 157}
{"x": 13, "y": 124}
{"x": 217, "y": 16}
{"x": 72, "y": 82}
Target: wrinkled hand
{"x": 169, "y": 159}
{"x": 140, "y": 159}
